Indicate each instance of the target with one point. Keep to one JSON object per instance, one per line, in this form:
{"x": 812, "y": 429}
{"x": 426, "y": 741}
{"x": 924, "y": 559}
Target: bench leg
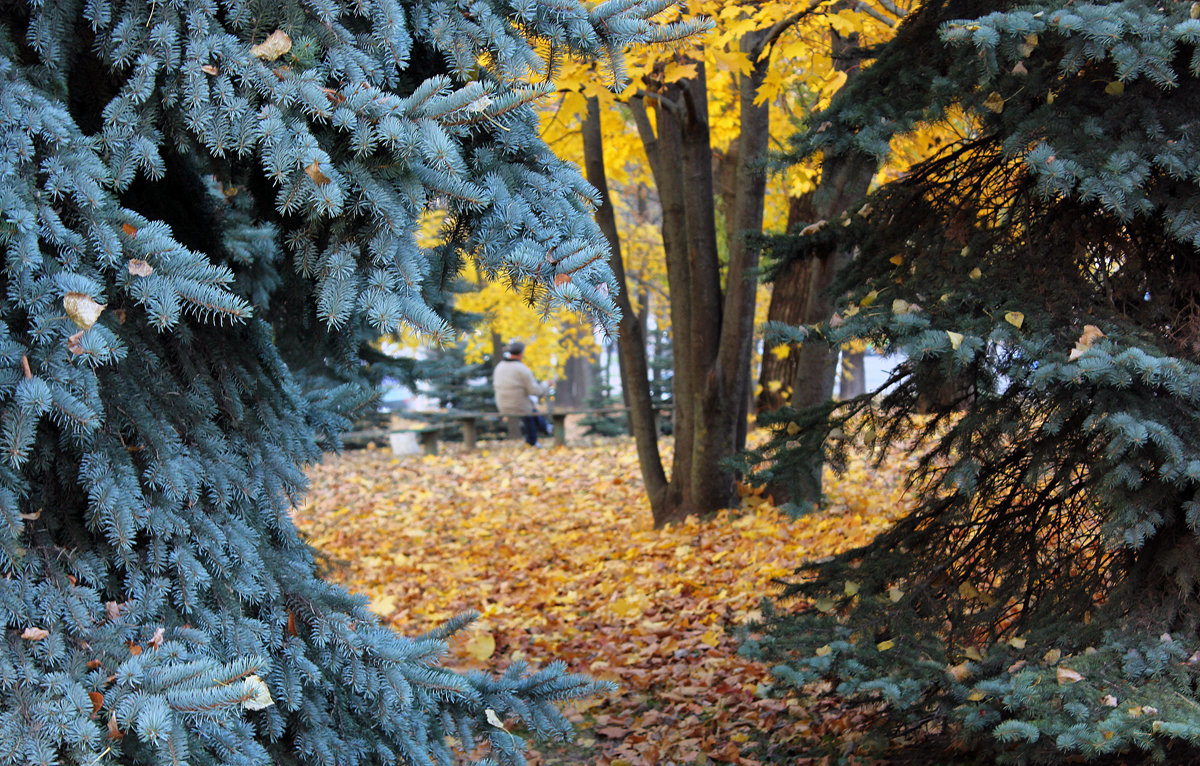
{"x": 429, "y": 442}
{"x": 560, "y": 428}
{"x": 470, "y": 434}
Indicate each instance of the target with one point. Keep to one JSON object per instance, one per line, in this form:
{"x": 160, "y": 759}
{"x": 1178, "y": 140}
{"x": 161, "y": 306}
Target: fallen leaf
{"x": 1091, "y": 333}
{"x": 813, "y": 228}
{"x": 481, "y": 646}
{"x": 73, "y": 342}
{"x": 82, "y": 310}
{"x": 157, "y": 639}
{"x": 625, "y": 607}
{"x": 956, "y": 339}
{"x": 97, "y": 699}
{"x": 130, "y": 230}
{"x": 883, "y": 646}
{"x": 994, "y": 102}
{"x": 314, "y": 172}
{"x": 493, "y": 719}
{"x": 209, "y": 69}
{"x": 277, "y": 44}
{"x": 975, "y": 273}
{"x": 710, "y": 638}
{"x": 960, "y": 672}
{"x": 34, "y": 634}
{"x": 140, "y": 268}
{"x": 562, "y": 279}
{"x": 113, "y": 731}
{"x": 1115, "y": 88}
{"x": 1014, "y": 318}
{"x": 1108, "y": 700}
{"x": 1067, "y": 676}
{"x": 260, "y": 695}
{"x": 1016, "y": 642}
{"x": 1051, "y": 657}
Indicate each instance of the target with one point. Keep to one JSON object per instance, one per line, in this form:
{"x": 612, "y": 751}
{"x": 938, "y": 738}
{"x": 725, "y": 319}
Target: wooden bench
{"x": 436, "y": 420}
{"x": 427, "y": 437}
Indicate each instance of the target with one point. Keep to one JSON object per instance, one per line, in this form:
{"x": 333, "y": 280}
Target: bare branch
{"x": 893, "y": 9}
{"x": 875, "y": 13}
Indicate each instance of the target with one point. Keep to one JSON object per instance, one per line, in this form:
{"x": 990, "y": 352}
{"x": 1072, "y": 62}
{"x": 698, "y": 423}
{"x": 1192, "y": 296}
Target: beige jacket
{"x": 514, "y": 384}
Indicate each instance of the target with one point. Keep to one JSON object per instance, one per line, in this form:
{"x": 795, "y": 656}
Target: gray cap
{"x": 515, "y": 348}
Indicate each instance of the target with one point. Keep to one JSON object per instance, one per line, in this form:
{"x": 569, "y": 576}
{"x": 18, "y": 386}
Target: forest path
{"x": 556, "y": 551}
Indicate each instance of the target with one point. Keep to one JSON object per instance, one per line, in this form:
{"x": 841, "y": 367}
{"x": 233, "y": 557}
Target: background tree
{"x": 206, "y": 210}
{"x": 1043, "y": 595}
{"x": 712, "y": 277}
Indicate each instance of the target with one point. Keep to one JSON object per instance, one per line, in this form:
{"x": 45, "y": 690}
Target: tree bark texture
{"x": 801, "y": 293}
{"x": 712, "y": 328}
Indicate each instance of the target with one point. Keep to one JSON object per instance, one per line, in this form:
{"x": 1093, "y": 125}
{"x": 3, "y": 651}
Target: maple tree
{"x": 702, "y": 121}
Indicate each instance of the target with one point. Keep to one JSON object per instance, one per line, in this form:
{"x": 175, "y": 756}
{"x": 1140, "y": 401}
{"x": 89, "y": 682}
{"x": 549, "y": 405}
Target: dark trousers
{"x": 529, "y": 427}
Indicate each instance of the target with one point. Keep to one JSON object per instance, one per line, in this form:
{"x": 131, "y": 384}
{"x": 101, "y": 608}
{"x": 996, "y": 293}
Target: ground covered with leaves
{"x": 556, "y": 551}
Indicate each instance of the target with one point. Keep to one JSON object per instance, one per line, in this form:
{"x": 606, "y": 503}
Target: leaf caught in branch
{"x": 82, "y": 310}
{"x": 277, "y": 44}
{"x": 314, "y": 172}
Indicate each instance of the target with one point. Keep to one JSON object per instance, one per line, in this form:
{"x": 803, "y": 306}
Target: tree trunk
{"x": 631, "y": 345}
{"x": 777, "y": 378}
{"x": 805, "y": 283}
{"x": 852, "y": 383}
{"x": 712, "y": 328}
{"x": 573, "y": 390}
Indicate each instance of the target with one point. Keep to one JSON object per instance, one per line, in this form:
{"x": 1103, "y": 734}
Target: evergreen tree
{"x": 1040, "y": 277}
{"x": 206, "y": 207}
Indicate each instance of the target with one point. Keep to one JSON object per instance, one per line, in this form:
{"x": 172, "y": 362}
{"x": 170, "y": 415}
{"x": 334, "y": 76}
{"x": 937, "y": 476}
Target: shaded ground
{"x": 555, "y": 549}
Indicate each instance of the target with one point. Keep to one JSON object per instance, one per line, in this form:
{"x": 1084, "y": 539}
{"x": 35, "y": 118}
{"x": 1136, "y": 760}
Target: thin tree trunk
{"x": 853, "y": 382}
{"x": 805, "y": 283}
{"x": 788, "y": 303}
{"x": 741, "y": 290}
{"x": 631, "y": 345}
{"x": 572, "y": 391}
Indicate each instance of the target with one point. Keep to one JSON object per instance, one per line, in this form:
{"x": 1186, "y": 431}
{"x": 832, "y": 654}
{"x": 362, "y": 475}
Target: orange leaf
{"x": 314, "y": 172}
